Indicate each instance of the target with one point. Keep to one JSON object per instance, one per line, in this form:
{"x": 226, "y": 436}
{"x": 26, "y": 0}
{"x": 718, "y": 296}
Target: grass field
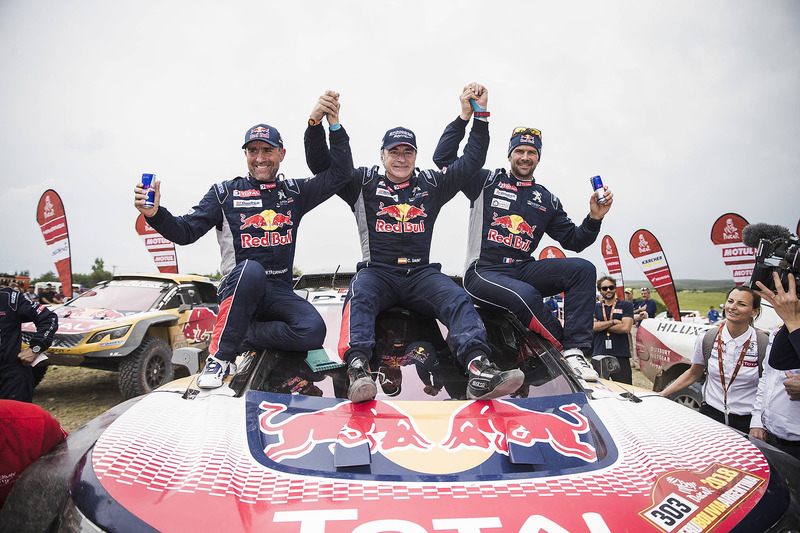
{"x": 693, "y": 300}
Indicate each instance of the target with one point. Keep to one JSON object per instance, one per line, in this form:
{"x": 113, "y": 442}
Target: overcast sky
{"x": 687, "y": 109}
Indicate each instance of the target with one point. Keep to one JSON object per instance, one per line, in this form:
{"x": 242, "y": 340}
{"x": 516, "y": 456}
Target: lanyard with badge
{"x": 606, "y": 318}
{"x": 735, "y": 370}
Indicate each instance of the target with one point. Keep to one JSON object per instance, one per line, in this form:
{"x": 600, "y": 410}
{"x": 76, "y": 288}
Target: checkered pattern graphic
{"x": 203, "y": 448}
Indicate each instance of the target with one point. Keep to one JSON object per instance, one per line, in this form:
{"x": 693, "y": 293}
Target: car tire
{"x": 691, "y": 396}
{"x": 146, "y": 369}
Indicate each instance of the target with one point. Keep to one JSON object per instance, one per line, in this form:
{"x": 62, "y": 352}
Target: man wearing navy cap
{"x": 509, "y": 214}
{"x": 395, "y": 213}
{"x": 257, "y": 218}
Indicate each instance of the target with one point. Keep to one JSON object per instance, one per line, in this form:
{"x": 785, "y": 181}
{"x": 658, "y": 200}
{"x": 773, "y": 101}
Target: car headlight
{"x": 72, "y": 520}
{"x": 114, "y": 333}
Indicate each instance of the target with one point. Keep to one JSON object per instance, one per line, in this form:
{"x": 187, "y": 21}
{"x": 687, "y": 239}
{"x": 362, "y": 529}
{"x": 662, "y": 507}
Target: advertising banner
{"x": 53, "y": 223}
{"x": 726, "y": 234}
{"x": 611, "y": 256}
{"x": 645, "y": 248}
{"x": 551, "y": 252}
{"x": 162, "y": 250}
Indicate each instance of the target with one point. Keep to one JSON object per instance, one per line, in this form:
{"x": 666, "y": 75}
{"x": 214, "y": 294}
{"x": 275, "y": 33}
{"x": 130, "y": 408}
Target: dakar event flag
{"x": 645, "y": 248}
{"x": 726, "y": 234}
{"x": 611, "y": 255}
{"x": 551, "y": 252}
{"x": 162, "y": 250}
{"x": 53, "y": 222}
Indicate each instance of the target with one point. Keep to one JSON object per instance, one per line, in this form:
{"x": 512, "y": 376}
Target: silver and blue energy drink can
{"x": 597, "y": 186}
{"x": 147, "y": 181}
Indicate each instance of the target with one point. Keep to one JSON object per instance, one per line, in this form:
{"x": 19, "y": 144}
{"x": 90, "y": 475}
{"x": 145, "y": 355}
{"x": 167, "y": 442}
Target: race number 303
{"x": 671, "y": 512}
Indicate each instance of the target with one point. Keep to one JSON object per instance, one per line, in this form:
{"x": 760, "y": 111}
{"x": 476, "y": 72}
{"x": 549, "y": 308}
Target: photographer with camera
{"x": 776, "y": 412}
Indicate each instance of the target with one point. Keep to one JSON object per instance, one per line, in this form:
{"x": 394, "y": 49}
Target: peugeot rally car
{"x": 279, "y": 448}
{"x": 132, "y": 323}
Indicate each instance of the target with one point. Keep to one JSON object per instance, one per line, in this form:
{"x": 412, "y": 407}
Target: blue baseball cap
{"x": 263, "y": 132}
{"x": 526, "y": 136}
{"x": 397, "y": 136}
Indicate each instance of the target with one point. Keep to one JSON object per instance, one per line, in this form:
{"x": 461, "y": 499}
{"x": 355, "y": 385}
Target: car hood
{"x": 84, "y": 319}
{"x": 317, "y": 464}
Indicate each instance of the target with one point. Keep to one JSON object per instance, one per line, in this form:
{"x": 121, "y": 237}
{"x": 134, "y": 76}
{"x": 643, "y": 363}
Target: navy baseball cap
{"x": 526, "y": 136}
{"x": 397, "y": 136}
{"x": 263, "y": 132}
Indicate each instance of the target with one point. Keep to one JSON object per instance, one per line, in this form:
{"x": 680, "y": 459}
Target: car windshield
{"x": 121, "y": 295}
{"x": 413, "y": 361}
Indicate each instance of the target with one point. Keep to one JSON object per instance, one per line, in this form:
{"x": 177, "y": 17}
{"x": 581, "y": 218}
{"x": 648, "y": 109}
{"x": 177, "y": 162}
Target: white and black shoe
{"x": 362, "y": 387}
{"x": 215, "y": 371}
{"x": 486, "y": 381}
{"x": 580, "y": 366}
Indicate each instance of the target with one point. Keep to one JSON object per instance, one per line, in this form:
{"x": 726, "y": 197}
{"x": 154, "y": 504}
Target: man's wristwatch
{"x": 312, "y": 122}
{"x": 36, "y": 349}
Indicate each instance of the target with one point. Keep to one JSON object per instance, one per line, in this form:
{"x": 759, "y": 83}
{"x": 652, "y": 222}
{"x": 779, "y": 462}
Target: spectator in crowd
{"x": 646, "y": 308}
{"x": 30, "y": 293}
{"x": 16, "y": 376}
{"x": 713, "y": 315}
{"x": 48, "y": 296}
{"x": 26, "y": 432}
{"x": 552, "y": 304}
{"x": 776, "y": 413}
{"x": 632, "y": 334}
{"x": 731, "y": 363}
{"x": 612, "y": 324}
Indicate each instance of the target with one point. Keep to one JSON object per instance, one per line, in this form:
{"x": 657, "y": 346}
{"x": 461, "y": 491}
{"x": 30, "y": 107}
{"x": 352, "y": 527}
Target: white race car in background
{"x": 664, "y": 349}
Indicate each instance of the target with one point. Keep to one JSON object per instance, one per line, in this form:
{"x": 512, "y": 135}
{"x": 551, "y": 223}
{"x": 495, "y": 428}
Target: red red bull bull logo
{"x": 268, "y": 221}
{"x": 432, "y": 438}
{"x": 493, "y": 425}
{"x": 380, "y": 424}
{"x": 516, "y": 227}
{"x": 403, "y": 214}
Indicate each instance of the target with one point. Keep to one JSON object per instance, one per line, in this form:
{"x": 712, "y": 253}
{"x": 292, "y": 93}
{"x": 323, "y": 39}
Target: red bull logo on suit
{"x": 403, "y": 213}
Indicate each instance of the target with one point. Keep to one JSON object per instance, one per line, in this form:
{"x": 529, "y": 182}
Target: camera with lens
{"x": 780, "y": 254}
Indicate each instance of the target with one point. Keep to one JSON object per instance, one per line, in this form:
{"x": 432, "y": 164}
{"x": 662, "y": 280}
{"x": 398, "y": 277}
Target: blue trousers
{"x": 519, "y": 287}
{"x": 263, "y": 312}
{"x": 424, "y": 289}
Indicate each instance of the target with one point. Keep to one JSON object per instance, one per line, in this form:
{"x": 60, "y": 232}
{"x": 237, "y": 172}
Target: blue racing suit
{"x": 395, "y": 224}
{"x": 508, "y": 218}
{"x": 256, "y": 227}
{"x": 16, "y": 379}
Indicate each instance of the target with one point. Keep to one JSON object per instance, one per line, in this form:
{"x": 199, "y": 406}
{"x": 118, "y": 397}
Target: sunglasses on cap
{"x": 526, "y": 131}
{"x": 608, "y": 288}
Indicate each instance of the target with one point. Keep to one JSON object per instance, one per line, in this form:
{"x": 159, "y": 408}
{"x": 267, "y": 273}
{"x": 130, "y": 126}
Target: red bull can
{"x": 597, "y": 186}
{"x": 147, "y": 182}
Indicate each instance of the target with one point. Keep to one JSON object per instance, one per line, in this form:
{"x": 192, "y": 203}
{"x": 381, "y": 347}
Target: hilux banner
{"x": 53, "y": 222}
{"x": 162, "y": 250}
{"x": 645, "y": 248}
{"x": 551, "y": 252}
{"x": 726, "y": 234}
{"x": 611, "y": 256}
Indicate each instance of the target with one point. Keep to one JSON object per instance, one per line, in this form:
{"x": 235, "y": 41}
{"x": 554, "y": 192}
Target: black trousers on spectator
{"x": 740, "y": 422}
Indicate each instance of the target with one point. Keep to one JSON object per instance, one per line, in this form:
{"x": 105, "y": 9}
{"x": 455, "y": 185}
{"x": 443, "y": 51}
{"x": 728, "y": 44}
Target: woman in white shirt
{"x": 732, "y": 368}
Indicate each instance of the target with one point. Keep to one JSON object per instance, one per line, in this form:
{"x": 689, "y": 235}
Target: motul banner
{"x": 551, "y": 252}
{"x": 611, "y": 256}
{"x": 645, "y": 248}
{"x": 53, "y": 222}
{"x": 162, "y": 250}
{"x": 726, "y": 234}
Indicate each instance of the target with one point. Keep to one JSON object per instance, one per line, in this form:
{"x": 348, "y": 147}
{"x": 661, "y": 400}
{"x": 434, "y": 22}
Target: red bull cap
{"x": 263, "y": 132}
{"x": 398, "y": 136}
